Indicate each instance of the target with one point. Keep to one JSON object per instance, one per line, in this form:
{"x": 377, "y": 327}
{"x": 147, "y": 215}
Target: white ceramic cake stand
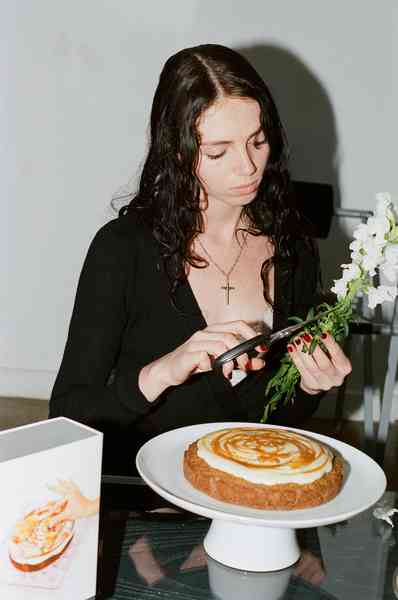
{"x": 247, "y": 538}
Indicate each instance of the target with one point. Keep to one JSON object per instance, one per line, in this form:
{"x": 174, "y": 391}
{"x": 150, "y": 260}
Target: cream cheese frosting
{"x": 266, "y": 455}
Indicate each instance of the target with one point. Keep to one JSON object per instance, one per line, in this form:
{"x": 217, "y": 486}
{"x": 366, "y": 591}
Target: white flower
{"x": 390, "y": 271}
{"x": 361, "y": 232}
{"x": 372, "y": 256}
{"x": 374, "y": 248}
{"x": 383, "y": 293}
{"x": 390, "y": 265}
{"x": 351, "y": 272}
{"x": 383, "y": 204}
{"x": 340, "y": 288}
{"x": 378, "y": 228}
{"x": 391, "y": 254}
{"x": 356, "y": 247}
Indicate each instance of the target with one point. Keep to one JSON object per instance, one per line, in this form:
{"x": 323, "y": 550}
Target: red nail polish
{"x": 263, "y": 348}
{"x": 289, "y": 348}
{"x": 324, "y": 335}
{"x": 297, "y": 341}
{"x": 248, "y": 365}
{"x": 307, "y": 337}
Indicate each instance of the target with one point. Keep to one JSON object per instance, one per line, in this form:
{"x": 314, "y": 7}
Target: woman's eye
{"x": 215, "y": 156}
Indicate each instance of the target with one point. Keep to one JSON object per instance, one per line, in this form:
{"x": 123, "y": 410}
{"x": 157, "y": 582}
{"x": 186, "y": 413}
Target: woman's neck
{"x": 222, "y": 225}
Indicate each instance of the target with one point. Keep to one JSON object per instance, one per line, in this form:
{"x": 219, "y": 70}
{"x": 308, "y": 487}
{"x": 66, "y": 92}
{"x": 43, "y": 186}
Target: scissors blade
{"x": 246, "y": 346}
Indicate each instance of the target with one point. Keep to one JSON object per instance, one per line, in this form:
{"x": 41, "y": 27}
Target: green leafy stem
{"x": 331, "y": 319}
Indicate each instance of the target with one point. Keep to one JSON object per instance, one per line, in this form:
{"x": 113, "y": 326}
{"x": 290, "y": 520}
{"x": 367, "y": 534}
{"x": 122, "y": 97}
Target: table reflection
{"x": 160, "y": 555}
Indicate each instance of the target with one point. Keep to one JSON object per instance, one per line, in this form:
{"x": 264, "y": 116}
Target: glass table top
{"x": 160, "y": 556}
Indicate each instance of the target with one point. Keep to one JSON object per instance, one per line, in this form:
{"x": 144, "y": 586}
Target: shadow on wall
{"x": 308, "y": 117}
{"x": 306, "y": 113}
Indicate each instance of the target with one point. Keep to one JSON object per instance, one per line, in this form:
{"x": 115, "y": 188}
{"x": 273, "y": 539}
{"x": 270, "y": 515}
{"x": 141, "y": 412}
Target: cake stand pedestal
{"x": 251, "y": 547}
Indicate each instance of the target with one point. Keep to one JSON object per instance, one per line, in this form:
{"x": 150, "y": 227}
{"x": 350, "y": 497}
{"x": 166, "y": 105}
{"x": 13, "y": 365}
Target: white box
{"x": 34, "y": 459}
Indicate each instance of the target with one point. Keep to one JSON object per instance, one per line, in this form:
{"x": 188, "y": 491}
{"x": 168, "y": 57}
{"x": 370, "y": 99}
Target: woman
{"x": 205, "y": 254}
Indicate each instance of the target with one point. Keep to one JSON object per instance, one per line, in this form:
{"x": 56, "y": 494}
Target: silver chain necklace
{"x": 227, "y": 274}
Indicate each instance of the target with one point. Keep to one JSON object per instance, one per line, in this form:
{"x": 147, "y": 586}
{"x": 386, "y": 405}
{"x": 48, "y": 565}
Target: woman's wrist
{"x": 152, "y": 380}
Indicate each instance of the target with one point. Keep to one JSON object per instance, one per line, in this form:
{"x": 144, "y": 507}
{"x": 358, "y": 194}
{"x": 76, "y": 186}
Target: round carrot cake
{"x": 268, "y": 468}
{"x": 36, "y": 542}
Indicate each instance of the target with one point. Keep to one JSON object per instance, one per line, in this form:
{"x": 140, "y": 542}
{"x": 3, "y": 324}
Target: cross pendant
{"x": 227, "y": 289}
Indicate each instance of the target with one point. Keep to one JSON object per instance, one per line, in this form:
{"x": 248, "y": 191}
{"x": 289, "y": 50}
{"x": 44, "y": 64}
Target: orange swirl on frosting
{"x": 266, "y": 455}
{"x": 269, "y": 448}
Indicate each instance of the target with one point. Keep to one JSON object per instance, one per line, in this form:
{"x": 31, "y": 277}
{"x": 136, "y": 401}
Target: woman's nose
{"x": 245, "y": 163}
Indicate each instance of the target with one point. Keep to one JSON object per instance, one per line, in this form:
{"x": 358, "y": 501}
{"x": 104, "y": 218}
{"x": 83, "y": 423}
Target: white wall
{"x": 77, "y": 80}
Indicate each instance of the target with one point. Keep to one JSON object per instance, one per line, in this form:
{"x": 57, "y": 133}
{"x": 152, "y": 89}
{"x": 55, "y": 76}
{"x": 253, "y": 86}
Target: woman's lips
{"x": 242, "y": 190}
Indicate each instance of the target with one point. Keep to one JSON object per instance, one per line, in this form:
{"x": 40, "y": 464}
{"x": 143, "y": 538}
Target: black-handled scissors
{"x": 263, "y": 338}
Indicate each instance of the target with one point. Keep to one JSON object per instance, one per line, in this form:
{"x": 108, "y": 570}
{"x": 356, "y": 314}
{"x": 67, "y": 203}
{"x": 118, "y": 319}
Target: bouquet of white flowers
{"x": 374, "y": 249}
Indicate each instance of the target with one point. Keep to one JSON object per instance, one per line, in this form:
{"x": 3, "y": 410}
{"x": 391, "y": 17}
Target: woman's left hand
{"x": 320, "y": 371}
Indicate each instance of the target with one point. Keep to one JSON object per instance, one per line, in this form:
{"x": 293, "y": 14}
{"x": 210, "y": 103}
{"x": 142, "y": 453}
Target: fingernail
{"x": 263, "y": 348}
{"x": 306, "y": 337}
{"x": 297, "y": 341}
{"x": 324, "y": 335}
{"x": 248, "y": 365}
{"x": 289, "y": 348}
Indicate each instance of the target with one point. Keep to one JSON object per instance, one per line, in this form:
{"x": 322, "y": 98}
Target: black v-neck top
{"x": 123, "y": 318}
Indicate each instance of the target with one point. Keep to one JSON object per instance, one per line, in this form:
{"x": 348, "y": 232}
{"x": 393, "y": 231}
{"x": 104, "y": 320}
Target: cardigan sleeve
{"x": 87, "y": 388}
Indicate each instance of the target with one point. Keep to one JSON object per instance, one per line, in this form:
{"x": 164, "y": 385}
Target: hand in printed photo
{"x": 77, "y": 505}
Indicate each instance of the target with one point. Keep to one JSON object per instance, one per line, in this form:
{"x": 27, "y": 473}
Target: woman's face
{"x": 233, "y": 151}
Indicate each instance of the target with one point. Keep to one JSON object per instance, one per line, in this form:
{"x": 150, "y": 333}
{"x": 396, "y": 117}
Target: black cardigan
{"x": 123, "y": 318}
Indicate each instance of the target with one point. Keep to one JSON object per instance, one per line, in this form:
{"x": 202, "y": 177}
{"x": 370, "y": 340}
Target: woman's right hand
{"x": 196, "y": 356}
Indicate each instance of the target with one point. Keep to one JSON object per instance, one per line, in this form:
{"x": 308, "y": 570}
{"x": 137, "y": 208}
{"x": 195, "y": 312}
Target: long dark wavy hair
{"x": 168, "y": 195}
